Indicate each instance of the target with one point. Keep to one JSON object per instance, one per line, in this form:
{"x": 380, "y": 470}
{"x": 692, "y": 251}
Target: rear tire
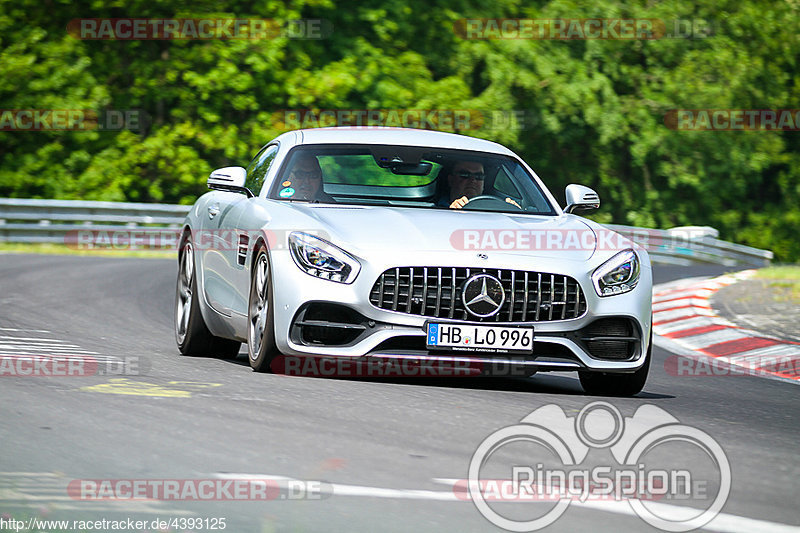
{"x": 191, "y": 332}
{"x": 261, "y": 347}
{"x": 609, "y": 384}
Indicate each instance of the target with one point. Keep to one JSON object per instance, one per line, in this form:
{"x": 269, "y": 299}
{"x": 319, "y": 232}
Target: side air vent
{"x": 241, "y": 253}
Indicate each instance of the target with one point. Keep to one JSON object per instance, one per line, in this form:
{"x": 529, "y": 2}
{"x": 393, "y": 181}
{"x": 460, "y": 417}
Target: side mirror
{"x": 229, "y": 179}
{"x": 580, "y": 198}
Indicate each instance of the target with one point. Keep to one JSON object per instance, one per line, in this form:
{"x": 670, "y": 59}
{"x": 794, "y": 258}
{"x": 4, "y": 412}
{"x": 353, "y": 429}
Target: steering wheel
{"x": 487, "y": 202}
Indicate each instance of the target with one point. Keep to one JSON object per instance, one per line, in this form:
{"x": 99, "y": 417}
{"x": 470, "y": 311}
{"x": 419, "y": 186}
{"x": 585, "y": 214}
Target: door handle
{"x": 213, "y": 210}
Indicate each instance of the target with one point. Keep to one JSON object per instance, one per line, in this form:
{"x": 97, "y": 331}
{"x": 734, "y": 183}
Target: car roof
{"x": 396, "y": 136}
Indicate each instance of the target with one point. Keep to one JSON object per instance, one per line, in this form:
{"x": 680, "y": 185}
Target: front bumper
{"x": 352, "y": 327}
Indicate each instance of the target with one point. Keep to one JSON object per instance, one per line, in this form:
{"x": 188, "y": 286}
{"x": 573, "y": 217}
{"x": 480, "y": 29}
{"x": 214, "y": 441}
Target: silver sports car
{"x": 387, "y": 244}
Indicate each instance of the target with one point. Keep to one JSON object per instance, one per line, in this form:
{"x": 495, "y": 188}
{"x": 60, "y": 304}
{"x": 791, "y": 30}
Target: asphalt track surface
{"x": 385, "y": 444}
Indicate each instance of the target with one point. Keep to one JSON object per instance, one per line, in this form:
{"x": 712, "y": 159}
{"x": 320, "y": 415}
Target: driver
{"x": 466, "y": 182}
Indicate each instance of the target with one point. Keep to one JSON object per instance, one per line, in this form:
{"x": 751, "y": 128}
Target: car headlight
{"x": 322, "y": 259}
{"x": 618, "y": 275}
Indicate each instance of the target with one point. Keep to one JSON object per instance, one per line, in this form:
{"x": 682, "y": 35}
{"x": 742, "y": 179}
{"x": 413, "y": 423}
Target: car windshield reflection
{"x": 407, "y": 176}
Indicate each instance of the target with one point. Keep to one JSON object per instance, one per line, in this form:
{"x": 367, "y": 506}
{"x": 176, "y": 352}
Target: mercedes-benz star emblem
{"x": 483, "y": 295}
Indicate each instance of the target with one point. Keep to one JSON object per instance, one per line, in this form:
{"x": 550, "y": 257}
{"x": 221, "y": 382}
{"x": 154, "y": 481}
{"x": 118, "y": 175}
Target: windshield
{"x": 409, "y": 176}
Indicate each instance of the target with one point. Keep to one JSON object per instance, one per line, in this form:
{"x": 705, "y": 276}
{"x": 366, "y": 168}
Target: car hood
{"x": 361, "y": 229}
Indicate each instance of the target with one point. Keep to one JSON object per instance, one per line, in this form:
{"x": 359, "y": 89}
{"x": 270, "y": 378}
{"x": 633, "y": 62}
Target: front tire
{"x": 191, "y": 332}
{"x": 261, "y": 314}
{"x": 608, "y": 384}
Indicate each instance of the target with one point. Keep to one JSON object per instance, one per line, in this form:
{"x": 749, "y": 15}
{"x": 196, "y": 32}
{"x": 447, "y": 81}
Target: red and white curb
{"x": 683, "y": 321}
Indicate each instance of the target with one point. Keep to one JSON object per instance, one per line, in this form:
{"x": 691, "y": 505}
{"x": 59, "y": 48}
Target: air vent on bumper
{"x": 315, "y": 325}
{"x": 613, "y": 338}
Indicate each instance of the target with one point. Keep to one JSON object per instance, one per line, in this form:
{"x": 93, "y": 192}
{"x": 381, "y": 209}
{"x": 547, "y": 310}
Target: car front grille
{"x": 436, "y": 292}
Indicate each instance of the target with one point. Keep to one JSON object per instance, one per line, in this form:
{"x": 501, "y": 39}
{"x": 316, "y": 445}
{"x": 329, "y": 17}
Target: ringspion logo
{"x": 645, "y": 459}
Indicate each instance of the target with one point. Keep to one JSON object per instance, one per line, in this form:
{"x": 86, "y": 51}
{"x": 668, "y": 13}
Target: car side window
{"x": 504, "y": 184}
{"x": 258, "y": 167}
{"x": 537, "y": 201}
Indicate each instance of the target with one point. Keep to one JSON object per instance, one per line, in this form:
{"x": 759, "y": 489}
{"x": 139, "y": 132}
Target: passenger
{"x": 306, "y": 180}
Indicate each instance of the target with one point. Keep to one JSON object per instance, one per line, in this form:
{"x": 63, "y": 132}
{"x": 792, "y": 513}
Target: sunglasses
{"x": 465, "y": 175}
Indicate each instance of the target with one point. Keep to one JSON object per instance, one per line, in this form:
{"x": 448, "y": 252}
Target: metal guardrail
{"x": 54, "y": 221}
{"x": 59, "y": 221}
{"x": 691, "y": 245}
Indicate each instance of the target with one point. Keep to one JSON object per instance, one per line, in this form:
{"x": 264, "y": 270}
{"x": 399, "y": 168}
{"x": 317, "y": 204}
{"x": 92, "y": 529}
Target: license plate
{"x": 473, "y": 338}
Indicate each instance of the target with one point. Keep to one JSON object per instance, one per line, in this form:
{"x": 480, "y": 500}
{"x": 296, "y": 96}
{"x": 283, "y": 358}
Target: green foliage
{"x": 594, "y": 110}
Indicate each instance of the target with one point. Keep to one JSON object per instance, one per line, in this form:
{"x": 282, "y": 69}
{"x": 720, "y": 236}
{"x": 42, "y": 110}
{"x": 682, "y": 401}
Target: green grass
{"x": 782, "y": 272}
{"x": 62, "y": 249}
{"x": 784, "y": 280}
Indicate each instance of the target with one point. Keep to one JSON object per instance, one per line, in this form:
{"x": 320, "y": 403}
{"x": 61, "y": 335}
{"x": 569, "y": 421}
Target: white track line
{"x": 722, "y": 523}
{"x": 28, "y": 346}
{"x": 33, "y": 351}
{"x": 32, "y": 339}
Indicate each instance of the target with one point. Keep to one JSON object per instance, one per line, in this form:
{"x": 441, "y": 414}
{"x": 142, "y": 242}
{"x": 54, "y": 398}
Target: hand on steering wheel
{"x": 458, "y": 203}
{"x": 483, "y": 201}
